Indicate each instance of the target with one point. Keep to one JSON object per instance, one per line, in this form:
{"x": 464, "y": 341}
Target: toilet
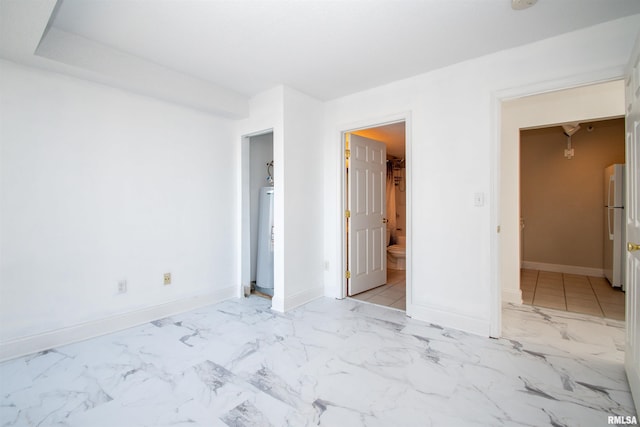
{"x": 396, "y": 254}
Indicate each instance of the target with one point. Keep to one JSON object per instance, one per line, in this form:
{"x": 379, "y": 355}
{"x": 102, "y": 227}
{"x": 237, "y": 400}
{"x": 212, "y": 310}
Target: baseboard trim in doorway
{"x": 449, "y": 319}
{"x": 63, "y": 336}
{"x": 296, "y": 300}
{"x": 512, "y": 296}
{"x": 567, "y": 269}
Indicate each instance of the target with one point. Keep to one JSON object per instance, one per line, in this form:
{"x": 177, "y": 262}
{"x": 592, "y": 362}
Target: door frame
{"x": 366, "y": 124}
{"x": 245, "y": 208}
{"x": 497, "y": 148}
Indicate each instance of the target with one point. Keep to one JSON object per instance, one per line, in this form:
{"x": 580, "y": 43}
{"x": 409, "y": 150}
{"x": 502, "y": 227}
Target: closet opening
{"x": 257, "y": 206}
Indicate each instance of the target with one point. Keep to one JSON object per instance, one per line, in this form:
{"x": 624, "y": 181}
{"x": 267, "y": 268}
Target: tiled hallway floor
{"x": 570, "y": 292}
{"x": 392, "y": 294}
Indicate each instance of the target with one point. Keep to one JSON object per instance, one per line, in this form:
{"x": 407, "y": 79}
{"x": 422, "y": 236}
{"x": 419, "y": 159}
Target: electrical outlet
{"x": 122, "y": 286}
{"x": 167, "y": 278}
{"x": 478, "y": 199}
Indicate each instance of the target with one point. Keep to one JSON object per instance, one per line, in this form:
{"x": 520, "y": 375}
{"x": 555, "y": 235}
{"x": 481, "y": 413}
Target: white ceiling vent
{"x": 522, "y": 4}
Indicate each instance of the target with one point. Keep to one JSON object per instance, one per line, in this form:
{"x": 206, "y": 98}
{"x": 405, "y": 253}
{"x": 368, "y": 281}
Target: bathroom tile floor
{"x": 392, "y": 294}
{"x": 570, "y": 292}
{"x": 328, "y": 363}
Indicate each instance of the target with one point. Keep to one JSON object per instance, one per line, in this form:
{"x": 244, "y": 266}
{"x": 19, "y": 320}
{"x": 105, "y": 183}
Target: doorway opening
{"x": 375, "y": 177}
{"x": 258, "y": 193}
{"x": 587, "y": 103}
{"x": 571, "y": 238}
{"x": 557, "y": 107}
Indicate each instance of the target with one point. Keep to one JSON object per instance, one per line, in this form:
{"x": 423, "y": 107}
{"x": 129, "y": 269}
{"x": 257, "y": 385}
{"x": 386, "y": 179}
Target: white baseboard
{"x": 449, "y": 319}
{"x": 559, "y": 268}
{"x": 512, "y": 295}
{"x": 296, "y": 300}
{"x": 59, "y": 337}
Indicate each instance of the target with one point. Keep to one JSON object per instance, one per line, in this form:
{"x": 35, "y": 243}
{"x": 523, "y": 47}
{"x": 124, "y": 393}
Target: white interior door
{"x": 367, "y": 246}
{"x": 632, "y": 347}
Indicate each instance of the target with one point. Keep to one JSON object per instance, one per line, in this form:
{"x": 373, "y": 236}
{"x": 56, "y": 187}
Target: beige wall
{"x": 561, "y": 199}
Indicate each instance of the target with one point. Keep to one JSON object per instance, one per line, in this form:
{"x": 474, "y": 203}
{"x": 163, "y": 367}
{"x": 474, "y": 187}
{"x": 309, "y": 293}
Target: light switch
{"x": 478, "y": 199}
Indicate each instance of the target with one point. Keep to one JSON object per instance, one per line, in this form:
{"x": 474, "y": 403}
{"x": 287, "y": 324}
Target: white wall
{"x": 303, "y": 213}
{"x": 99, "y": 185}
{"x": 455, "y": 132}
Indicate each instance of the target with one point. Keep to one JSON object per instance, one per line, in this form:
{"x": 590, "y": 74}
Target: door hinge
{"x": 347, "y": 153}
{"x": 498, "y": 229}
{"x": 347, "y": 213}
{"x": 347, "y": 274}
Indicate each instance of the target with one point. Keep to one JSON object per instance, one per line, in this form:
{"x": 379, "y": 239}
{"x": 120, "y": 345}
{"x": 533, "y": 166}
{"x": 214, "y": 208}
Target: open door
{"x": 632, "y": 347}
{"x": 367, "y": 231}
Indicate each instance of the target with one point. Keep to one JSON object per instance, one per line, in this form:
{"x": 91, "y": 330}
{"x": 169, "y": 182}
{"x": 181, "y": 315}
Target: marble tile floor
{"x": 571, "y": 292}
{"x": 392, "y": 294}
{"x": 328, "y": 363}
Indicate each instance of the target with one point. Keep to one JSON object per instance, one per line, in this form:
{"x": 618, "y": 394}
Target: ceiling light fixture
{"x": 522, "y": 4}
{"x": 569, "y": 129}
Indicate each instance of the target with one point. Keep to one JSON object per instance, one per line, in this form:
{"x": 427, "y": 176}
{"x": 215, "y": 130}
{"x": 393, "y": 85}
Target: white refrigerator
{"x": 614, "y": 225}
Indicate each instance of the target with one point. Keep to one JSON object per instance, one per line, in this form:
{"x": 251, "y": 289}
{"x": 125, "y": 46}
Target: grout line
{"x": 399, "y": 299}
{"x": 535, "y": 287}
{"x": 596, "y": 295}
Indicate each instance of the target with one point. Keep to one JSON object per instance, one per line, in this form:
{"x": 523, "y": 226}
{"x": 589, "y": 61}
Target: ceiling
{"x": 324, "y": 48}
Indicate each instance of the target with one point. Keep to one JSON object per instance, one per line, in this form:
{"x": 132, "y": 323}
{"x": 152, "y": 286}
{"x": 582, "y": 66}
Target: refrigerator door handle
{"x": 609, "y": 223}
